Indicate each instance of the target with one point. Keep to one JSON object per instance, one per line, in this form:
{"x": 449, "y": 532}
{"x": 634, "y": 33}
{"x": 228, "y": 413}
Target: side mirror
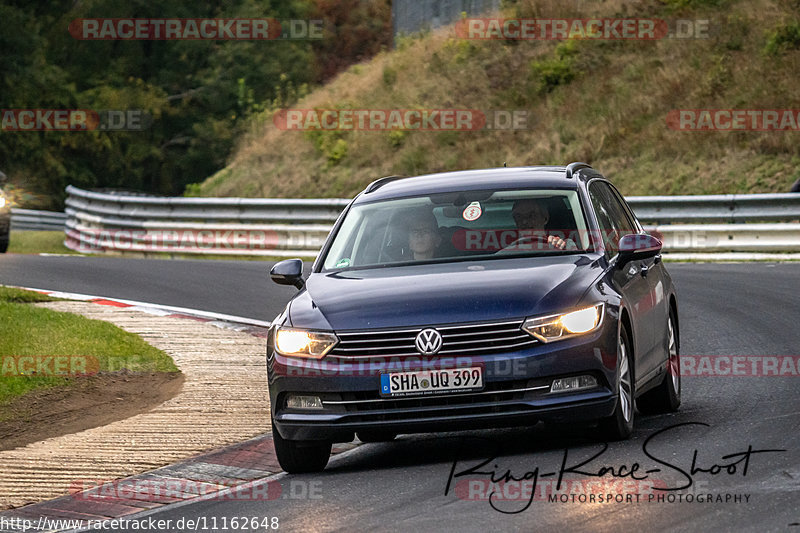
{"x": 288, "y": 272}
{"x": 637, "y": 246}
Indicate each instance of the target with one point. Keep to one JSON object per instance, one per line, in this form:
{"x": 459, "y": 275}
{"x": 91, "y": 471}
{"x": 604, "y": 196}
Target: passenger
{"x": 423, "y": 235}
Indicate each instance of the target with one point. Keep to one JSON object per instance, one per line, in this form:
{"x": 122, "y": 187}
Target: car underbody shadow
{"x": 434, "y": 448}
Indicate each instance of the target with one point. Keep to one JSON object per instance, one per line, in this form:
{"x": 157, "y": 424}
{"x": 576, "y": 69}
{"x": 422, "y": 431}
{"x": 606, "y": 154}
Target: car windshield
{"x": 459, "y": 225}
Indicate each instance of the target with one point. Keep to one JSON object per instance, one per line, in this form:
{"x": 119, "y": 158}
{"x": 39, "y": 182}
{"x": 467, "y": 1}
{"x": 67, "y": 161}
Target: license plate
{"x": 425, "y": 382}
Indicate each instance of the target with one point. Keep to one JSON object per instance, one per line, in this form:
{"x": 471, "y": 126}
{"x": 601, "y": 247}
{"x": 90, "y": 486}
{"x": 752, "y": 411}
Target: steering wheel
{"x": 526, "y": 242}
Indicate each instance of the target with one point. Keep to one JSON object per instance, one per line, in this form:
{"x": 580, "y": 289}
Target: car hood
{"x": 443, "y": 293}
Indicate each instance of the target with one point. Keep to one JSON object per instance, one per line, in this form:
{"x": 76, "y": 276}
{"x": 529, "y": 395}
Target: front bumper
{"x": 516, "y": 391}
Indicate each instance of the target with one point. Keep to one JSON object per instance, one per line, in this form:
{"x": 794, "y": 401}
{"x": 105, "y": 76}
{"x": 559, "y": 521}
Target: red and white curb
{"x": 252, "y": 326}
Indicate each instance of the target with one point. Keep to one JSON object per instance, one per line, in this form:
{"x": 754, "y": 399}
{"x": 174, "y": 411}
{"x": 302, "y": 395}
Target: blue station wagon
{"x": 473, "y": 299}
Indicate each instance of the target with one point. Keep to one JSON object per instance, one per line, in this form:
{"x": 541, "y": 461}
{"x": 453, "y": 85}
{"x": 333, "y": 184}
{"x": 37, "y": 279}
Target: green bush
{"x": 337, "y": 152}
{"x": 389, "y": 76}
{"x": 329, "y": 143}
{"x": 558, "y": 70}
{"x": 783, "y": 38}
{"x": 193, "y": 190}
{"x": 397, "y": 138}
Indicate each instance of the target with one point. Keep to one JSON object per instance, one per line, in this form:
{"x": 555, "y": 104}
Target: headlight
{"x": 556, "y": 327}
{"x": 304, "y": 343}
{"x": 2, "y": 201}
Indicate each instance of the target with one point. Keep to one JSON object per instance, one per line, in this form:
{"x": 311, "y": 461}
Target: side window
{"x": 611, "y": 215}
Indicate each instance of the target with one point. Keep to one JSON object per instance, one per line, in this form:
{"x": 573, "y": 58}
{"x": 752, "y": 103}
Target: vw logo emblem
{"x": 428, "y": 342}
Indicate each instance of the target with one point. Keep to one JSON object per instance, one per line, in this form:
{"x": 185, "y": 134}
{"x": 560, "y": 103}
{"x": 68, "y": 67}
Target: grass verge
{"x": 38, "y": 242}
{"x": 26, "y": 330}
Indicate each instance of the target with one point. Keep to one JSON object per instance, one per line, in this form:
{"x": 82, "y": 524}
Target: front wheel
{"x": 619, "y": 425}
{"x": 666, "y": 397}
{"x": 300, "y": 457}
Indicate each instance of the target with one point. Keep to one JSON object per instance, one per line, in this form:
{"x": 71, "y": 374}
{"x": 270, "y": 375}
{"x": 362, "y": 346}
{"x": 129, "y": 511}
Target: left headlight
{"x": 2, "y": 201}
{"x": 304, "y": 343}
{"x": 556, "y": 327}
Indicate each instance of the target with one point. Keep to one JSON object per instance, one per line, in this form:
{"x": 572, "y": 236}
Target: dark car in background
{"x": 473, "y": 299}
{"x": 5, "y": 216}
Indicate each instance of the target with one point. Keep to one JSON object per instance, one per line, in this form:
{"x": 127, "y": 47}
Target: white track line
{"x": 144, "y": 306}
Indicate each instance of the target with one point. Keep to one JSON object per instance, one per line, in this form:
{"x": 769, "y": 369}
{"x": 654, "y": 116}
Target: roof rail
{"x": 574, "y": 167}
{"x": 380, "y": 182}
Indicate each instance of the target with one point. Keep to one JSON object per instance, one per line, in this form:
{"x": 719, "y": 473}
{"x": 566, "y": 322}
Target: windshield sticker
{"x": 472, "y": 212}
{"x": 343, "y": 262}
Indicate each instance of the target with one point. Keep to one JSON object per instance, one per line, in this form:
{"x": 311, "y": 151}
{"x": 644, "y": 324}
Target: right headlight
{"x": 304, "y": 343}
{"x": 562, "y": 326}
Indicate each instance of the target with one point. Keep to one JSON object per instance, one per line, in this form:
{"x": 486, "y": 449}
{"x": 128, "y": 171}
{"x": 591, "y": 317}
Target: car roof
{"x": 546, "y": 177}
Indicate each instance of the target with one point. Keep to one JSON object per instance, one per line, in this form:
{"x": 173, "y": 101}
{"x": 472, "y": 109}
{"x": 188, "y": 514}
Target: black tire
{"x": 376, "y": 436}
{"x": 666, "y": 397}
{"x": 619, "y": 426}
{"x": 300, "y": 457}
{"x": 3, "y": 246}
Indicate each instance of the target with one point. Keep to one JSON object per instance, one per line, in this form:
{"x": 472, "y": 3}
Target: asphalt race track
{"x": 749, "y": 309}
{"x": 239, "y": 288}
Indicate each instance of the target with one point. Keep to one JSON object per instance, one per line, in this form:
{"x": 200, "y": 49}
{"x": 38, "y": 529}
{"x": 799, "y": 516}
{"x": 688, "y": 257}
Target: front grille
{"x": 457, "y": 339}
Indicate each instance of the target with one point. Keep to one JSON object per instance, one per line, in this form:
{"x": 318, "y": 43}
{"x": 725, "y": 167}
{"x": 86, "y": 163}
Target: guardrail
{"x": 112, "y": 223}
{"x": 108, "y": 223}
{"x": 30, "y": 220}
{"x": 717, "y": 208}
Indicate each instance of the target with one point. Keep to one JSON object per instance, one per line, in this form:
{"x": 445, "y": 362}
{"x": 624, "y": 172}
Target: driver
{"x": 533, "y": 214}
